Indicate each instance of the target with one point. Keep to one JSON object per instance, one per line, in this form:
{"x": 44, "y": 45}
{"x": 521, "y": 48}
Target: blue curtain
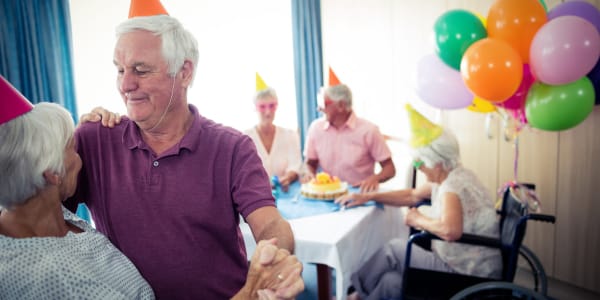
{"x": 35, "y": 50}
{"x": 35, "y": 53}
{"x": 308, "y": 62}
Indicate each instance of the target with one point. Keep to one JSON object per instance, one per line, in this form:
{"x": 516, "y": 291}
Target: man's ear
{"x": 187, "y": 72}
{"x": 52, "y": 178}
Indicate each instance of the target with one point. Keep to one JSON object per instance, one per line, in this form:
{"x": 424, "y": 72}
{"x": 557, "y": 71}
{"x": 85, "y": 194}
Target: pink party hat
{"x": 145, "y": 8}
{"x": 12, "y": 102}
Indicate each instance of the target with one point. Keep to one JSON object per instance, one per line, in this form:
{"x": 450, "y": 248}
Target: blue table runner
{"x": 292, "y": 205}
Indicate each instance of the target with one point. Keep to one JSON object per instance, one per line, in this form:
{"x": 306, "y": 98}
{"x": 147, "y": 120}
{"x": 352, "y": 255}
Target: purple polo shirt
{"x": 175, "y": 215}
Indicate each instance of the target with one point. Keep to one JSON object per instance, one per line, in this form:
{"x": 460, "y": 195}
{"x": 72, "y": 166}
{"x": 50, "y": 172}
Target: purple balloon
{"x": 564, "y": 50}
{"x": 581, "y": 9}
{"x": 440, "y": 85}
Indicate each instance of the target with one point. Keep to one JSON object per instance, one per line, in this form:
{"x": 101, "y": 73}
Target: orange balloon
{"x": 491, "y": 69}
{"x": 516, "y": 22}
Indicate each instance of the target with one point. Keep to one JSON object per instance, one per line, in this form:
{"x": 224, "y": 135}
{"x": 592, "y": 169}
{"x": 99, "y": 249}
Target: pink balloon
{"x": 517, "y": 100}
{"x": 564, "y": 50}
{"x": 440, "y": 85}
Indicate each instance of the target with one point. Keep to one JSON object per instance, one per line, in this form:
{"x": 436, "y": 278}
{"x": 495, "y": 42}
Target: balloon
{"x": 441, "y": 86}
{"x": 481, "y": 105}
{"x": 517, "y": 100}
{"x": 544, "y": 5}
{"x": 482, "y": 19}
{"x": 564, "y": 49}
{"x": 491, "y": 69}
{"x": 580, "y": 9}
{"x": 455, "y": 31}
{"x": 516, "y": 22}
{"x": 559, "y": 107}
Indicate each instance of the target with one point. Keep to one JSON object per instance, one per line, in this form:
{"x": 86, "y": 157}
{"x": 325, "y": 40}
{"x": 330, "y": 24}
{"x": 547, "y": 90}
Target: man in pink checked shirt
{"x": 344, "y": 145}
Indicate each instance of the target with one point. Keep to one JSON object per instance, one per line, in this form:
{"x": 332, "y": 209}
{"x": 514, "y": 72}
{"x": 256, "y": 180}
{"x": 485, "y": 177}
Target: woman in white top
{"x": 278, "y": 147}
{"x": 460, "y": 203}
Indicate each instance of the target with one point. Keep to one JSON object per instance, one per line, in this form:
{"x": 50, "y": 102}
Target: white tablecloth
{"x": 342, "y": 240}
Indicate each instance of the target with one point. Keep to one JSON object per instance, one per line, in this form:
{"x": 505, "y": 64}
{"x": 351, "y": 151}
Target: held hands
{"x": 274, "y": 274}
{"x": 109, "y": 119}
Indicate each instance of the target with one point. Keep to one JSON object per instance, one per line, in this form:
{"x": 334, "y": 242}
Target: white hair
{"x": 266, "y": 93}
{"x": 178, "y": 44}
{"x": 340, "y": 92}
{"x": 31, "y": 144}
{"x": 443, "y": 149}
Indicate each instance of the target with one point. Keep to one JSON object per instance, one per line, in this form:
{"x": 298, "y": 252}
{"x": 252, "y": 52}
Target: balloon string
{"x": 516, "y": 162}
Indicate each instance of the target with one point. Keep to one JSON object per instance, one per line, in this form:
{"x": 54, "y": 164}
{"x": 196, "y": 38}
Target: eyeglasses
{"x": 417, "y": 164}
{"x": 262, "y": 107}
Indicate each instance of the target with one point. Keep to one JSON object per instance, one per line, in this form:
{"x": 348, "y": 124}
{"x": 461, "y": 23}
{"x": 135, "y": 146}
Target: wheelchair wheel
{"x": 496, "y": 290}
{"x": 537, "y": 270}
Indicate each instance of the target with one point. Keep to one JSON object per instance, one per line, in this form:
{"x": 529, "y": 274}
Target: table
{"x": 342, "y": 240}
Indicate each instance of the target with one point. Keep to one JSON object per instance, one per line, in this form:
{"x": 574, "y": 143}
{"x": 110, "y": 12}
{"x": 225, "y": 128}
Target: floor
{"x": 556, "y": 289}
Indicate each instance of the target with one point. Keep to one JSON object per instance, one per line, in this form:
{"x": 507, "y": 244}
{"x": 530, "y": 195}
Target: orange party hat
{"x": 423, "y": 131}
{"x": 145, "y": 8}
{"x": 12, "y": 103}
{"x": 260, "y": 83}
{"x": 333, "y": 79}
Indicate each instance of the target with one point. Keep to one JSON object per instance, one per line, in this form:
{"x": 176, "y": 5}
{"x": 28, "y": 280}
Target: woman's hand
{"x": 352, "y": 199}
{"x": 108, "y": 118}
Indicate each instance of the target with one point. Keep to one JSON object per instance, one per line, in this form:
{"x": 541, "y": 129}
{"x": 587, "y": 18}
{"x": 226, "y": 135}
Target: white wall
{"x": 236, "y": 39}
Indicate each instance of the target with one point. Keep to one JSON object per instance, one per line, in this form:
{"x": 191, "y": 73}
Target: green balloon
{"x": 455, "y": 31}
{"x": 544, "y": 5}
{"x": 559, "y": 107}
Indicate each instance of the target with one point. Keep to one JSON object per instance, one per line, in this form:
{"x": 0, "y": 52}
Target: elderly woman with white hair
{"x": 47, "y": 251}
{"x": 460, "y": 203}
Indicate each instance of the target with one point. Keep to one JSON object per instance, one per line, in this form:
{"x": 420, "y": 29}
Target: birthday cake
{"x": 324, "y": 187}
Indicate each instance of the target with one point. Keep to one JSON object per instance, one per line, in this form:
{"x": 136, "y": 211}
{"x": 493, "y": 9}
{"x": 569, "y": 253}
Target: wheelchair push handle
{"x": 541, "y": 217}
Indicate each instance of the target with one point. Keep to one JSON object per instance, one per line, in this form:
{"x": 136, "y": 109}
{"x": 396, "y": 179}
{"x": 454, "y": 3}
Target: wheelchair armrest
{"x": 422, "y": 202}
{"x": 466, "y": 238}
{"x": 541, "y": 217}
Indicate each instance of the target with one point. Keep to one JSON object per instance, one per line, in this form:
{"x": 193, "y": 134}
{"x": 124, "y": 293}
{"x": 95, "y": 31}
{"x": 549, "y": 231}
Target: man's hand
{"x": 108, "y": 118}
{"x": 370, "y": 184}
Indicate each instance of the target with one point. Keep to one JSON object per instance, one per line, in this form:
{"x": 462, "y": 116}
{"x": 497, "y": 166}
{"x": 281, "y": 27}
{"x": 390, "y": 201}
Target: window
{"x": 236, "y": 38}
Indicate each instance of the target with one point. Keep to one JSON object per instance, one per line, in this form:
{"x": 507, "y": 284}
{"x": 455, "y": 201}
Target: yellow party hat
{"x": 423, "y": 131}
{"x": 260, "y": 83}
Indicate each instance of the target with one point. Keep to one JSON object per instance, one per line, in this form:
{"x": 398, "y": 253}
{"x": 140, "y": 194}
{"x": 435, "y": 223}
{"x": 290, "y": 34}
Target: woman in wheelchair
{"x": 460, "y": 203}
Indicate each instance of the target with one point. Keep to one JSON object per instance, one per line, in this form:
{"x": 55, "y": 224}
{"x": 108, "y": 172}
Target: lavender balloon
{"x": 441, "y": 86}
{"x": 564, "y": 50}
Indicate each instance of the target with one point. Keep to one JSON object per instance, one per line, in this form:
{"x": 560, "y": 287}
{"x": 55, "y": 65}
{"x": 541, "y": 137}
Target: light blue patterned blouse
{"x": 78, "y": 266}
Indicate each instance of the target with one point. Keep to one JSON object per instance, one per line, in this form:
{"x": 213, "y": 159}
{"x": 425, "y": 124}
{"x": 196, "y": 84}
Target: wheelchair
{"x": 514, "y": 215}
